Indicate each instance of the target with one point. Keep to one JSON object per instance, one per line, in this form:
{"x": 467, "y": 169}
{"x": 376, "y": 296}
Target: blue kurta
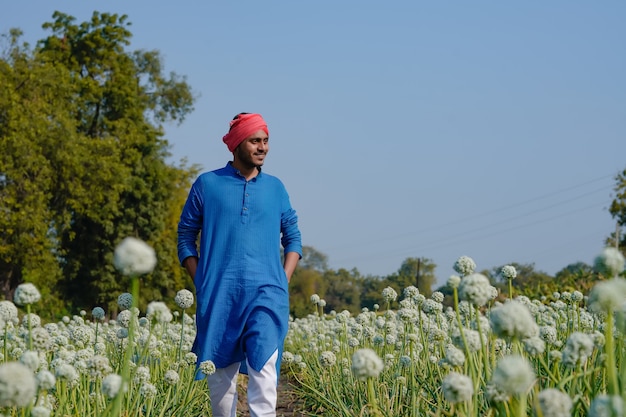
{"x": 242, "y": 309}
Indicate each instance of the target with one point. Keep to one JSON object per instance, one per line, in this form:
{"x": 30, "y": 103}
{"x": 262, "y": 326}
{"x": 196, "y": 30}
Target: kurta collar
{"x": 235, "y": 172}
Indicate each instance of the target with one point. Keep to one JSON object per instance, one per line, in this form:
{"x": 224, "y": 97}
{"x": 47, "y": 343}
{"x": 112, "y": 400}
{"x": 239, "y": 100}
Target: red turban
{"x": 242, "y": 127}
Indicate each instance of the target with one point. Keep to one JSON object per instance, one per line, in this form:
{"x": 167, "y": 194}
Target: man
{"x": 242, "y": 312}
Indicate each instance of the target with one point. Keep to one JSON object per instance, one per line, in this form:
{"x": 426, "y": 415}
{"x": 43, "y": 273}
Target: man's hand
{"x": 191, "y": 264}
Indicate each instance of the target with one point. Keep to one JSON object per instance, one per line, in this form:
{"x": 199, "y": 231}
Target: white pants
{"x": 261, "y": 390}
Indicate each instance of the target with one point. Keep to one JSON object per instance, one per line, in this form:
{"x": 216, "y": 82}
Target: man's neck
{"x": 246, "y": 171}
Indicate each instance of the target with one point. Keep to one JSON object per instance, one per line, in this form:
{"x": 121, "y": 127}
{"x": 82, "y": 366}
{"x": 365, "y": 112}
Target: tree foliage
{"x": 419, "y": 272}
{"x": 618, "y": 211}
{"x": 83, "y": 161}
{"x": 529, "y": 282}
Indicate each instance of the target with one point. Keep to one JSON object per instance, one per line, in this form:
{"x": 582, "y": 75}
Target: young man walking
{"x": 243, "y": 216}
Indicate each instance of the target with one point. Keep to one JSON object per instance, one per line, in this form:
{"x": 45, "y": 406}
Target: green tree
{"x": 304, "y": 283}
{"x": 32, "y": 94}
{"x": 528, "y": 281}
{"x": 418, "y": 272}
{"x": 372, "y": 288}
{"x": 343, "y": 291}
{"x": 618, "y": 211}
{"x": 313, "y": 259}
{"x": 574, "y": 277}
{"x": 85, "y": 117}
{"x": 307, "y": 280}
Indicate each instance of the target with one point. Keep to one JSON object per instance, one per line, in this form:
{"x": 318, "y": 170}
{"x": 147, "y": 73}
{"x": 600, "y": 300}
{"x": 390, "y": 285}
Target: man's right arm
{"x": 191, "y": 264}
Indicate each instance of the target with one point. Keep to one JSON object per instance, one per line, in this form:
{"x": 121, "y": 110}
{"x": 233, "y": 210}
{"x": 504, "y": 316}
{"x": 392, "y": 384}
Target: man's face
{"x": 252, "y": 151}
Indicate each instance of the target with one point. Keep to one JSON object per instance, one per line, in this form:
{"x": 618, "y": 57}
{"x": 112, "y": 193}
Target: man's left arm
{"x": 291, "y": 261}
{"x": 291, "y": 239}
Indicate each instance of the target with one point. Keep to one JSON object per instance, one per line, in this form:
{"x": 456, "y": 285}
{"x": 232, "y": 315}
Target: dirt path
{"x": 288, "y": 404}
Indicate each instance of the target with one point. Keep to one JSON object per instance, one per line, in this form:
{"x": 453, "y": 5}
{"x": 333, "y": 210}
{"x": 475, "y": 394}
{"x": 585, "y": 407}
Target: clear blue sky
{"x": 406, "y": 128}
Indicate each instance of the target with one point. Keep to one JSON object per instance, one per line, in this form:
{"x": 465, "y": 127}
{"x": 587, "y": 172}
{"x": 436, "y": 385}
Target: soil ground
{"x": 288, "y": 404}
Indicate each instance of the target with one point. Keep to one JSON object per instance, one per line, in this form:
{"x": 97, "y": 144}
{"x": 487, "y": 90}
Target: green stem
{"x": 96, "y": 337}
{"x": 182, "y": 332}
{"x": 610, "y": 356}
{"x": 128, "y": 353}
{"x": 372, "y": 397}
{"x": 30, "y": 328}
{"x": 485, "y": 358}
{"x": 521, "y": 406}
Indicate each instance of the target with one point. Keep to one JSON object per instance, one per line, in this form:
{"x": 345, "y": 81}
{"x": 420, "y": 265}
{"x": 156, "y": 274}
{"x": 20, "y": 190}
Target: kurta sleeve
{"x": 291, "y": 238}
{"x": 190, "y": 224}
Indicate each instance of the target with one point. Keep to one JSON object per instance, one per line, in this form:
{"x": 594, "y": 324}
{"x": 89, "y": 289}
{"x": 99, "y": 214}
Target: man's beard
{"x": 245, "y": 159}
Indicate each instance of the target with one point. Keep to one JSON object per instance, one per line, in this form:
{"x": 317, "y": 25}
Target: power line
{"x": 452, "y": 240}
{"x": 490, "y": 212}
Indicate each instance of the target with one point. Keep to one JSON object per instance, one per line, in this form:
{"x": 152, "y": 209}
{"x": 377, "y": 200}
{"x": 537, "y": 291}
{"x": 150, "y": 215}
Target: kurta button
{"x": 245, "y": 208}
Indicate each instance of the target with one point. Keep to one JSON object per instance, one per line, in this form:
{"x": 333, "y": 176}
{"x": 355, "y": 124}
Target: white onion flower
{"x": 184, "y": 299}
{"x": 606, "y": 406}
{"x": 608, "y": 295}
{"x": 67, "y": 372}
{"x": 513, "y": 320}
{"x": 26, "y": 294}
{"x": 548, "y": 334}
{"x": 191, "y": 358}
{"x": 148, "y": 390}
{"x": 495, "y": 394}
{"x": 534, "y": 346}
{"x": 40, "y": 411}
{"x": 578, "y": 347}
{"x": 97, "y": 313}
{"x": 124, "y": 318}
{"x": 171, "y": 377}
{"x": 454, "y": 281}
{"x": 159, "y": 311}
{"x": 577, "y": 296}
{"x": 125, "y": 301}
{"x": 476, "y": 289}
{"x": 288, "y": 357}
{"x": 411, "y": 292}
{"x": 457, "y": 388}
{"x": 17, "y": 385}
{"x": 207, "y": 367}
{"x": 121, "y": 333}
{"x": 142, "y": 374}
{"x": 554, "y": 403}
{"x": 111, "y": 385}
{"x": 389, "y": 294}
{"x": 609, "y": 263}
{"x": 30, "y": 358}
{"x": 97, "y": 366}
{"x": 464, "y": 265}
{"x": 454, "y": 356}
{"x": 353, "y": 342}
{"x": 8, "y": 312}
{"x": 437, "y": 296}
{"x": 472, "y": 341}
{"x": 513, "y": 375}
{"x": 431, "y": 306}
{"x": 134, "y": 257}
{"x": 366, "y": 364}
{"x": 508, "y": 272}
{"x": 45, "y": 380}
{"x": 327, "y": 359}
